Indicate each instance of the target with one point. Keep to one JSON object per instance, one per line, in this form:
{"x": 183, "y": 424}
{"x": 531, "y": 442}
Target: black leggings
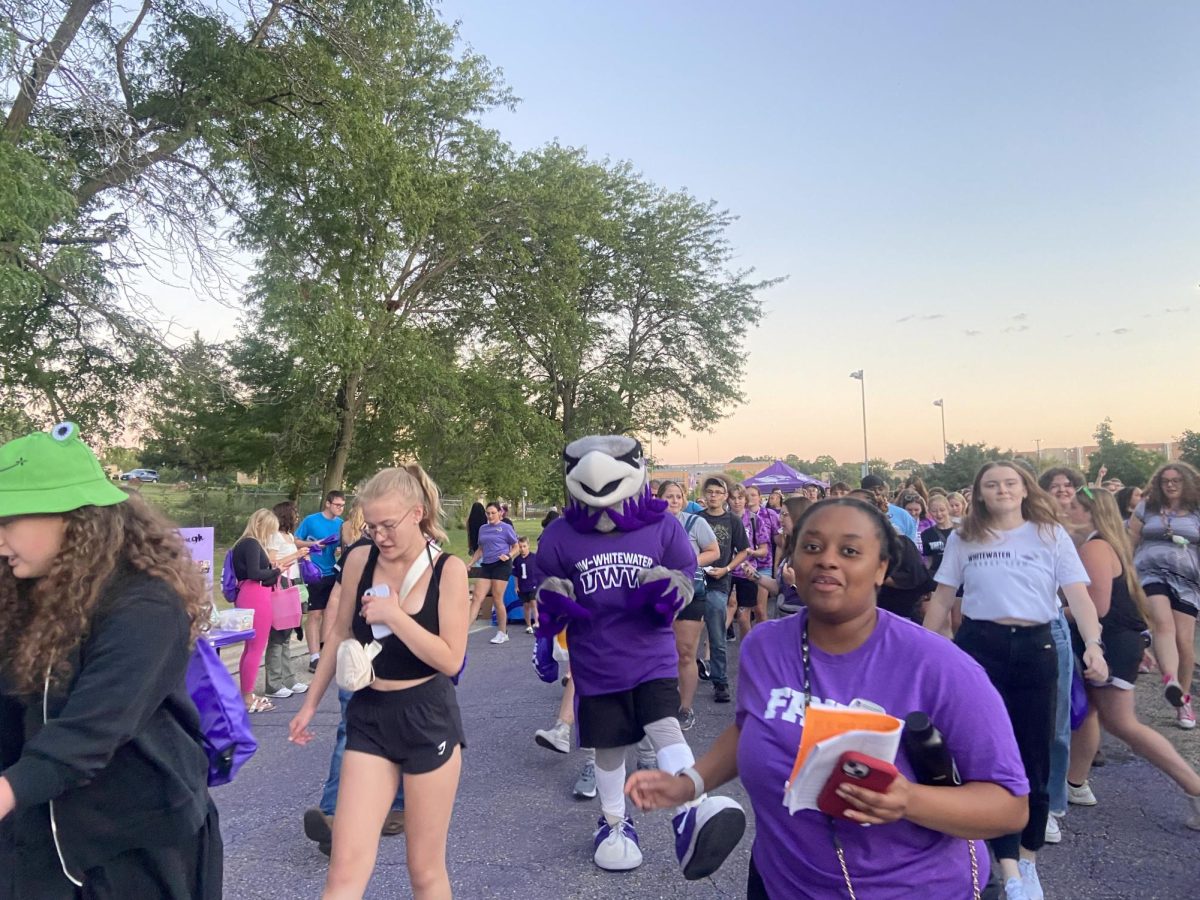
{"x": 1022, "y": 665}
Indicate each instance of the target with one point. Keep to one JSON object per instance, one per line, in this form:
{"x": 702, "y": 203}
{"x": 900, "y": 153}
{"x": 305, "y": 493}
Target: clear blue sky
{"x": 1027, "y": 171}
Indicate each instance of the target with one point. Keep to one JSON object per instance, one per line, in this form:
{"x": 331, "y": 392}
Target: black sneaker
{"x": 702, "y": 667}
{"x": 721, "y": 693}
{"x": 312, "y": 665}
{"x": 729, "y": 635}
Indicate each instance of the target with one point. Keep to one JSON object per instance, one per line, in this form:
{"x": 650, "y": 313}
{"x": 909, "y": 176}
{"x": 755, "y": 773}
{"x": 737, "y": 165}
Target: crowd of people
{"x": 1039, "y": 582}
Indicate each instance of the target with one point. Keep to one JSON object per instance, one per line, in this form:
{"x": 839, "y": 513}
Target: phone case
{"x": 857, "y": 769}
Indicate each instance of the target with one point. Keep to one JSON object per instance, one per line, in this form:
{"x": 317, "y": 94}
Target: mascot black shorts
{"x": 618, "y": 720}
{"x": 416, "y": 728}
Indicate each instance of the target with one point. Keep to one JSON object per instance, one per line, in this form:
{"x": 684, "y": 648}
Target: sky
{"x": 993, "y": 204}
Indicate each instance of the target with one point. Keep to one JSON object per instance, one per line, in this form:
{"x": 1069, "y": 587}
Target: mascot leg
{"x": 706, "y": 829}
{"x": 616, "y": 842}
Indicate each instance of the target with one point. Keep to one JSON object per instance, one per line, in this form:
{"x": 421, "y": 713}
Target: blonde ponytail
{"x": 415, "y": 486}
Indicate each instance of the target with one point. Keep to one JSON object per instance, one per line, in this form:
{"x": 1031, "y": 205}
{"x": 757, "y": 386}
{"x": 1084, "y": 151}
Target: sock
{"x": 610, "y": 783}
{"x": 313, "y": 656}
{"x": 671, "y": 750}
{"x": 1074, "y": 785}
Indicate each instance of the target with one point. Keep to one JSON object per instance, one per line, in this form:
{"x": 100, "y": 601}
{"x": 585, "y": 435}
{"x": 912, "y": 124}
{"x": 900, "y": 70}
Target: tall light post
{"x": 866, "y": 458}
{"x": 941, "y": 404}
{"x": 1038, "y": 441}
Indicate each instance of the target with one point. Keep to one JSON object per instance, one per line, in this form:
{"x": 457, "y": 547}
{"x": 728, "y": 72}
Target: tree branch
{"x": 119, "y": 51}
{"x": 44, "y": 66}
{"x": 126, "y": 170}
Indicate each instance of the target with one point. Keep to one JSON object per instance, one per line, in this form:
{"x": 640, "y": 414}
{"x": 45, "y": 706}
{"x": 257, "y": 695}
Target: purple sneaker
{"x": 706, "y": 833}
{"x": 617, "y": 847}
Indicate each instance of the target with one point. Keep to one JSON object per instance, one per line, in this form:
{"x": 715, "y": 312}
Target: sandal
{"x": 260, "y": 704}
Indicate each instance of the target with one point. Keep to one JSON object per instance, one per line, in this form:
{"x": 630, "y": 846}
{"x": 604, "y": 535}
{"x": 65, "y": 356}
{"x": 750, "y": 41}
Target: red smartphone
{"x": 857, "y": 769}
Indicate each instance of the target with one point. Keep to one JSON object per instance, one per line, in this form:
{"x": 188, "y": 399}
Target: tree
{"x": 193, "y": 414}
{"x": 1189, "y": 447}
{"x": 364, "y": 201}
{"x": 906, "y": 465}
{"x": 107, "y": 148}
{"x": 1122, "y": 459}
{"x": 961, "y": 463}
{"x": 614, "y": 298}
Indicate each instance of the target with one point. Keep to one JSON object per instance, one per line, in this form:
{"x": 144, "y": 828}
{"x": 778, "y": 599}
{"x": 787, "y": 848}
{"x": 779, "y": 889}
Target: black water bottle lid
{"x": 917, "y": 722}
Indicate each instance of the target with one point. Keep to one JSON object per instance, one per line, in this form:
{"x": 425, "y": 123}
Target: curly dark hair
{"x": 285, "y": 511}
{"x": 45, "y": 619}
{"x": 1190, "y": 496}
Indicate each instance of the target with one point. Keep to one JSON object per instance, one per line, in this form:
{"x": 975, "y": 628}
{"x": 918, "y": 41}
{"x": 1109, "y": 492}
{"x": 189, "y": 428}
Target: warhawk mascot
{"x": 616, "y": 569}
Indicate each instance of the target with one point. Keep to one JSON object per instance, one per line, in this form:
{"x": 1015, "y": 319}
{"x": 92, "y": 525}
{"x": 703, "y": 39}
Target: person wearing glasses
{"x": 1011, "y": 555}
{"x": 1121, "y": 603}
{"x": 319, "y": 527}
{"x": 405, "y": 725}
{"x": 1165, "y": 531}
{"x": 494, "y": 556}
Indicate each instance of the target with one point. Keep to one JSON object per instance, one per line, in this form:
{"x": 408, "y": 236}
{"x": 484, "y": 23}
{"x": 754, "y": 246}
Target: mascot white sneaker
{"x": 617, "y": 569}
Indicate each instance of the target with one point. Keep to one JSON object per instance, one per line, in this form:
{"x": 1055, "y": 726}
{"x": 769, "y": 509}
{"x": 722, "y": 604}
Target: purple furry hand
{"x": 556, "y": 611}
{"x": 544, "y": 662}
{"x": 661, "y": 598}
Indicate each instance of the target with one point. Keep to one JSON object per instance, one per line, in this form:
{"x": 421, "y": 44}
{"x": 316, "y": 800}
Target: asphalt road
{"x": 518, "y": 833}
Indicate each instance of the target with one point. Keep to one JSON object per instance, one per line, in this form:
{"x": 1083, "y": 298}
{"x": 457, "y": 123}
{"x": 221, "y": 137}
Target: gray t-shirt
{"x": 1161, "y": 559}
{"x": 699, "y": 533}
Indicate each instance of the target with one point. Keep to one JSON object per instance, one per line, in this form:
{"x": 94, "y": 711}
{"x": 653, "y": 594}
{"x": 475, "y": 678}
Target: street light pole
{"x": 942, "y": 405}
{"x": 1038, "y": 441}
{"x": 866, "y": 457}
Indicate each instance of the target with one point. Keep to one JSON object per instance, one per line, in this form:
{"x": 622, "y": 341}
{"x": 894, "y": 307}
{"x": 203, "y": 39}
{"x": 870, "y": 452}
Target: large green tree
{"x": 614, "y": 297}
{"x": 1121, "y": 459}
{"x": 1189, "y": 447}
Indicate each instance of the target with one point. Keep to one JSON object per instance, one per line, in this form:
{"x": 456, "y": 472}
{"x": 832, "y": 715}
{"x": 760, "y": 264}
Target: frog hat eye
{"x": 63, "y": 431}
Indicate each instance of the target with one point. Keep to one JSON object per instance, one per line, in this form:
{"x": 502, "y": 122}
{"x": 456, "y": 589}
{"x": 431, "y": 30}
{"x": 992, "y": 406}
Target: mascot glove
{"x": 544, "y": 662}
{"x": 557, "y": 607}
{"x": 662, "y": 593}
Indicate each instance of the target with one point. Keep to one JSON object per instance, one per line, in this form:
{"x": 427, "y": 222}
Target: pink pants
{"x": 252, "y": 595}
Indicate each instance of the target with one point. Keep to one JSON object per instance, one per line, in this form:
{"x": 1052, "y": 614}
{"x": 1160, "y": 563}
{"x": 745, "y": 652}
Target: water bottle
{"x": 928, "y": 753}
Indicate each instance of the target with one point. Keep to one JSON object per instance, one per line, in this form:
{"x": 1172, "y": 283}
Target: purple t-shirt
{"x": 495, "y": 541}
{"x": 615, "y": 650}
{"x": 761, "y": 527}
{"x": 902, "y": 668}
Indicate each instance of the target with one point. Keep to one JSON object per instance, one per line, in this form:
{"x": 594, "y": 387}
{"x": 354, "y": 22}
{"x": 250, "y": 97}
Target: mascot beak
{"x": 599, "y": 475}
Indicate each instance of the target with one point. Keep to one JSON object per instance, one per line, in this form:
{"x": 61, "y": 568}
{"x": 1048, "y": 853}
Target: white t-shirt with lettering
{"x": 1015, "y": 575}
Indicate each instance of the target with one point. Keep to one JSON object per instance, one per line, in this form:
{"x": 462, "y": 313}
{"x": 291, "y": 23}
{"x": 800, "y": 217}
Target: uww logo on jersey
{"x": 605, "y": 571}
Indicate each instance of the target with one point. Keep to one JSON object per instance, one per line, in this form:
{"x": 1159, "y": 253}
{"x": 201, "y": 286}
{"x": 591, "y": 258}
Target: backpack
{"x": 699, "y": 582}
{"x": 229, "y": 581}
{"x": 225, "y": 732}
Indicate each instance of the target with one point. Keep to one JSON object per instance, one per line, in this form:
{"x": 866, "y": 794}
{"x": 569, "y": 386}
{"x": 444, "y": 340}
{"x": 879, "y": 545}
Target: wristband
{"x": 697, "y": 781}
{"x": 1095, "y": 642}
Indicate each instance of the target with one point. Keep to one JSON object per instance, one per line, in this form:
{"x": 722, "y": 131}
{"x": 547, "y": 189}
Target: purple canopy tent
{"x": 780, "y": 476}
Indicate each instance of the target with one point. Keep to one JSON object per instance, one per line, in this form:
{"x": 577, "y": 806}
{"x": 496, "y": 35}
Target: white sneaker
{"x": 1030, "y": 880}
{"x": 500, "y": 638}
{"x": 529, "y": 629}
{"x": 1014, "y": 889}
{"x": 299, "y": 687}
{"x": 1081, "y": 796}
{"x": 281, "y": 694}
{"x": 617, "y": 847}
{"x": 557, "y": 738}
{"x": 1053, "y": 831}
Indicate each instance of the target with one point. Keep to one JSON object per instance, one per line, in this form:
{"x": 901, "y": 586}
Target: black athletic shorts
{"x": 527, "y": 596}
{"x": 618, "y": 720}
{"x": 1123, "y": 649}
{"x": 417, "y": 728}
{"x": 1165, "y": 590}
{"x": 694, "y": 611}
{"x": 319, "y": 591}
{"x": 746, "y": 592}
{"x": 500, "y": 570}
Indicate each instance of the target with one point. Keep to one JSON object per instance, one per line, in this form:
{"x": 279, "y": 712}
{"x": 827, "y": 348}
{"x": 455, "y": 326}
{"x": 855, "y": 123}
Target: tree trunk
{"x": 348, "y": 403}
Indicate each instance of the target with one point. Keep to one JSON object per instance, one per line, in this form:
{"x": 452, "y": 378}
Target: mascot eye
{"x": 569, "y": 461}
{"x": 63, "y": 430}
{"x": 634, "y": 456}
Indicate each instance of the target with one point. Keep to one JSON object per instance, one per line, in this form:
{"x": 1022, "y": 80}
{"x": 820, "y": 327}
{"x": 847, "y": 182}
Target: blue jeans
{"x": 715, "y": 603}
{"x": 330, "y": 792}
{"x": 1060, "y": 749}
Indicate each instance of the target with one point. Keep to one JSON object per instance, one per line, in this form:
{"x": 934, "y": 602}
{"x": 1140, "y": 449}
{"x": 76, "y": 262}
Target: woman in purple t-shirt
{"x": 494, "y": 554}
{"x": 841, "y": 650}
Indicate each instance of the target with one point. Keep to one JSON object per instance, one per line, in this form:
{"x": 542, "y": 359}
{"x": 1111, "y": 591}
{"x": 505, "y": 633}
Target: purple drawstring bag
{"x": 1079, "y": 701}
{"x": 310, "y": 573}
{"x": 225, "y": 730}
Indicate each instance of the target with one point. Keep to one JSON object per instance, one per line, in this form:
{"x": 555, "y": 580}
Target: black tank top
{"x": 395, "y": 661}
{"x": 1123, "y": 611}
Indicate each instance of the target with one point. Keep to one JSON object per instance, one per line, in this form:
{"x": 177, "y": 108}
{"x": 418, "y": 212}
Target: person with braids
{"x": 841, "y": 650}
{"x": 405, "y": 724}
{"x": 1123, "y": 610}
{"x": 103, "y": 782}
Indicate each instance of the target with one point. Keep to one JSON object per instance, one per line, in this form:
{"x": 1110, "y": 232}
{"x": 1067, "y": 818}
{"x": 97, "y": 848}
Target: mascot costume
{"x": 616, "y": 569}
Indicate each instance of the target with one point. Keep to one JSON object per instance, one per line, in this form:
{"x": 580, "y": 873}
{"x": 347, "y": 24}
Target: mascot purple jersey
{"x": 618, "y": 648}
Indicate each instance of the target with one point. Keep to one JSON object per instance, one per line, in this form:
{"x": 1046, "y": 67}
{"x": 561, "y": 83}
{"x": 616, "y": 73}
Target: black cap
{"x": 870, "y": 482}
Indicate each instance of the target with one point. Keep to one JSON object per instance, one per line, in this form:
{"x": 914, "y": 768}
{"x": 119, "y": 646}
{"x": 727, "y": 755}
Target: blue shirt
{"x": 694, "y": 507}
{"x": 315, "y": 528}
{"x": 904, "y": 523}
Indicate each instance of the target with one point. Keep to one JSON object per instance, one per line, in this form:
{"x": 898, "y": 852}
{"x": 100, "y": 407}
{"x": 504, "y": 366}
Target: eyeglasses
{"x": 383, "y": 528}
{"x": 714, "y": 492}
{"x": 1171, "y": 482}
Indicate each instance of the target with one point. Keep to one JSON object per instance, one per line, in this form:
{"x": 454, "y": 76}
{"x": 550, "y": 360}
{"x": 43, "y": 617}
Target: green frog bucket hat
{"x": 52, "y": 472}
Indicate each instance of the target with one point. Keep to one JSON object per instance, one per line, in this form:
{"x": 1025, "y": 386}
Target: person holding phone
{"x": 840, "y": 649}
